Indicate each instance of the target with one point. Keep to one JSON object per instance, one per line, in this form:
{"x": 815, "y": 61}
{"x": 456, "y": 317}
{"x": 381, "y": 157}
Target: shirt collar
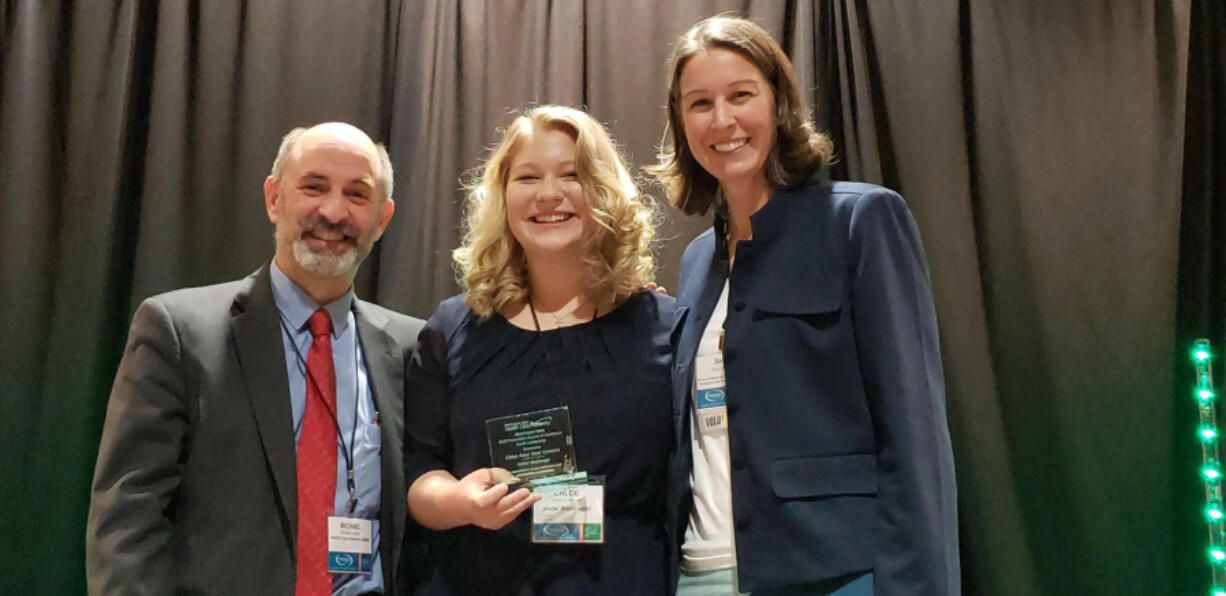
{"x": 297, "y": 306}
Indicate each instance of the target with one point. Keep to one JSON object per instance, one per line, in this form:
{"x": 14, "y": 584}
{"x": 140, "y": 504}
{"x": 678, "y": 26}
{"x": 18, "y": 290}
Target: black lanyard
{"x": 549, "y": 361}
{"x": 346, "y": 450}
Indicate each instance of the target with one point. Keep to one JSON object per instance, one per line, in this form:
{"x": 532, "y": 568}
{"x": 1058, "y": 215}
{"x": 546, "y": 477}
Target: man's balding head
{"x": 329, "y": 199}
{"x": 338, "y": 133}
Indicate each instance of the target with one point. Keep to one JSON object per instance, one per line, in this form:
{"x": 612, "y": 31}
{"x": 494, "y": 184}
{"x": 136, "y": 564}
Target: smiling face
{"x": 545, "y": 206}
{"x": 326, "y": 205}
{"x": 728, "y": 110}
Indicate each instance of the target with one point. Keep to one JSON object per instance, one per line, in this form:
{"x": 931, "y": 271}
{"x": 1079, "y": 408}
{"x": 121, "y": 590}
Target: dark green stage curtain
{"x": 1063, "y": 160}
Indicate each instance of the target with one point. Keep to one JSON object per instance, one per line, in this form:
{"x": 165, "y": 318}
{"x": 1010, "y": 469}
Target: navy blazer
{"x": 840, "y": 449}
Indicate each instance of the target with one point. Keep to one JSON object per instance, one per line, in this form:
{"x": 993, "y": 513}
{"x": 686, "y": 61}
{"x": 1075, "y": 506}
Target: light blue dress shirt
{"x": 352, "y": 388}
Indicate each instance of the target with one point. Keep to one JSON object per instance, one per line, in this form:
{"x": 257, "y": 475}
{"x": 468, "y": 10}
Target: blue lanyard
{"x": 347, "y": 450}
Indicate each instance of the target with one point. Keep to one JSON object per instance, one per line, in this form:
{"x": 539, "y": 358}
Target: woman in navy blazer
{"x": 813, "y": 454}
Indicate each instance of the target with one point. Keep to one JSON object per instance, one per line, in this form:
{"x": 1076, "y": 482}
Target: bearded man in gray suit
{"x": 248, "y": 417}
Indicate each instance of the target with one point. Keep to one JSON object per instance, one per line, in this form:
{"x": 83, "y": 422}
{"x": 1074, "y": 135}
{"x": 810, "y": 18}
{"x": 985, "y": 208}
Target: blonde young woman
{"x": 815, "y": 457}
{"x": 556, "y": 251}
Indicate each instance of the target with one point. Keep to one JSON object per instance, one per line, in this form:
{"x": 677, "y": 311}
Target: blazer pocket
{"x": 820, "y": 308}
{"x": 824, "y": 476}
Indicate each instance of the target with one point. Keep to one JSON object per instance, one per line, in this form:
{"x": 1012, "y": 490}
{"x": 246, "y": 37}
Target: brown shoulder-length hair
{"x": 800, "y": 151}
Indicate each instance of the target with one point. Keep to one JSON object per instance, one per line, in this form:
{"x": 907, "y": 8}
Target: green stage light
{"x": 1211, "y": 464}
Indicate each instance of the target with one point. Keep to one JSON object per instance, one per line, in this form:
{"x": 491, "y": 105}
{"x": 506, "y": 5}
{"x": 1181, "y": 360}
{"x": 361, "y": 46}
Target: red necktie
{"x": 316, "y": 463}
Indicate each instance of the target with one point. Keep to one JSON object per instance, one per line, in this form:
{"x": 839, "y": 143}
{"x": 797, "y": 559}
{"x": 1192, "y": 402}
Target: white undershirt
{"x": 708, "y": 542}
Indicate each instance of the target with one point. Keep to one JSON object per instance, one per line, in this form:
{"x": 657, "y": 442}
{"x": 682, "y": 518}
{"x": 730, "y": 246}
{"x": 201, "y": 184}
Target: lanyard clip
{"x": 353, "y": 499}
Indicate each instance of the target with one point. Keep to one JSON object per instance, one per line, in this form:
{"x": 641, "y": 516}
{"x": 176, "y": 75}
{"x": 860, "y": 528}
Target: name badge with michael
{"x": 537, "y": 448}
{"x": 350, "y": 545}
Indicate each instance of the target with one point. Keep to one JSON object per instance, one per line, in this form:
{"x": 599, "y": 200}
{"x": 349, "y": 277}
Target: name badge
{"x": 350, "y": 545}
{"x": 710, "y": 392}
{"x": 569, "y": 513}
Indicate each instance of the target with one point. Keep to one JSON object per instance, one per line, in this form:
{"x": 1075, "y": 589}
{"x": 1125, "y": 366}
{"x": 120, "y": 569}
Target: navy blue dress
{"x": 613, "y": 374}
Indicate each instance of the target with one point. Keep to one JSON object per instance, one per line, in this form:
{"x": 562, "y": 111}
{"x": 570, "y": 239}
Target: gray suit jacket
{"x": 195, "y": 488}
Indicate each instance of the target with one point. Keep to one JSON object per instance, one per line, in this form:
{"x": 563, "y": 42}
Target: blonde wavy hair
{"x": 618, "y": 252}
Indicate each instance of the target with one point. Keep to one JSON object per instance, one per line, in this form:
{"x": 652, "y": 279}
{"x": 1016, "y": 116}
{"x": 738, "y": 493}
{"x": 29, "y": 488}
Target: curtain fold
{"x": 31, "y": 55}
{"x": 462, "y": 70}
{"x": 1079, "y": 145}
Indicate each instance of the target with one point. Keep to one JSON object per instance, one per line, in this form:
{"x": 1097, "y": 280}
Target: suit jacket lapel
{"x": 385, "y": 369}
{"x": 261, "y": 355}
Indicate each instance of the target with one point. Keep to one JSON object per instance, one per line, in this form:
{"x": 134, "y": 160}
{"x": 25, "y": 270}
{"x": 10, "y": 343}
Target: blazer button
{"x": 738, "y": 462}
{"x": 742, "y": 523}
{"x": 739, "y": 306}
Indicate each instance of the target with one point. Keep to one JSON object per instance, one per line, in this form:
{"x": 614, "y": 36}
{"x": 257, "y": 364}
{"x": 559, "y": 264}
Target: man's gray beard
{"x": 324, "y": 263}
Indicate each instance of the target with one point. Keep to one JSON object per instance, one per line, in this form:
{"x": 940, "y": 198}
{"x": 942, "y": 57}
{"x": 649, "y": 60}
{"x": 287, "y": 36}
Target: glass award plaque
{"x": 533, "y": 445}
